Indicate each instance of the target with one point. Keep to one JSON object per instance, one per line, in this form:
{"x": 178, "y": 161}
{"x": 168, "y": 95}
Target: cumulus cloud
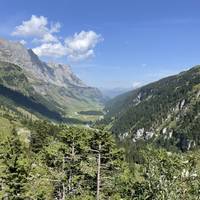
{"x": 80, "y": 46}
{"x": 50, "y": 49}
{"x": 38, "y": 27}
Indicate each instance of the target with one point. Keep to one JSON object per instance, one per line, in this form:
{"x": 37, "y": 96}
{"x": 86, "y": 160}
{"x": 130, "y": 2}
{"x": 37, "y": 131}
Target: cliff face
{"x": 58, "y": 74}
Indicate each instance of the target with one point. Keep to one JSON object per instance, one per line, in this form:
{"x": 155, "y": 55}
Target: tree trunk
{"x": 98, "y": 173}
{"x": 72, "y": 160}
{"x": 63, "y": 184}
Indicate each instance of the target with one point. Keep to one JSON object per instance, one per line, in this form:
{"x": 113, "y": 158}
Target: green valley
{"x": 61, "y": 139}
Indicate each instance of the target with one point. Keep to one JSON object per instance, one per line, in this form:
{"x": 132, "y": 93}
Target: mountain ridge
{"x": 165, "y": 111}
{"x": 16, "y": 53}
{"x": 52, "y": 82}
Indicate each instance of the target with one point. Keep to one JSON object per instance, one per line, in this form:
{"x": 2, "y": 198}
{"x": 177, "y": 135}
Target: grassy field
{"x": 5, "y": 127}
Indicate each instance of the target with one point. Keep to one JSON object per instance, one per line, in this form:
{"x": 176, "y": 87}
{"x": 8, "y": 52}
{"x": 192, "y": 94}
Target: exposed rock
{"x": 142, "y": 134}
{"x": 139, "y": 133}
{"x": 139, "y": 96}
{"x": 182, "y": 103}
{"x": 164, "y": 131}
{"x": 123, "y": 136}
{"x": 148, "y": 135}
{"x": 63, "y": 75}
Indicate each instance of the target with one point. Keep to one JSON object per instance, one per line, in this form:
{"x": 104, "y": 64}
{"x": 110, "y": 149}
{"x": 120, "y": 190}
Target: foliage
{"x": 167, "y": 176}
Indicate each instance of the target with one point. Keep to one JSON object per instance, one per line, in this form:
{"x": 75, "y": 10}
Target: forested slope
{"x": 166, "y": 111}
{"x": 39, "y": 160}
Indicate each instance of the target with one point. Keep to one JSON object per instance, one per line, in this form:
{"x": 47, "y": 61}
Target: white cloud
{"x": 38, "y": 27}
{"x": 81, "y": 45}
{"x": 78, "y": 47}
{"x": 50, "y": 49}
{"x": 55, "y": 27}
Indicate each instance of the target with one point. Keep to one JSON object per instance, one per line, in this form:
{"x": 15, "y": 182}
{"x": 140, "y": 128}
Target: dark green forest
{"x": 144, "y": 147}
{"x": 73, "y": 162}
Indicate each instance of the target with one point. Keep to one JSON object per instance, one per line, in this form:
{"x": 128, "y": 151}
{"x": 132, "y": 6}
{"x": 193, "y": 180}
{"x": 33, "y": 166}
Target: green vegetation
{"x": 70, "y": 162}
{"x": 57, "y": 103}
{"x": 13, "y": 77}
{"x": 145, "y": 148}
{"x": 168, "y": 108}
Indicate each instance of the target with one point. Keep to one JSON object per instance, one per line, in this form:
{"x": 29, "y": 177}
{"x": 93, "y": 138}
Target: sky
{"x": 108, "y": 43}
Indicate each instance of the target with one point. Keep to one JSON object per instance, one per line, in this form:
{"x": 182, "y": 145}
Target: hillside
{"x": 166, "y": 112}
{"x": 41, "y": 160}
{"x": 52, "y": 85}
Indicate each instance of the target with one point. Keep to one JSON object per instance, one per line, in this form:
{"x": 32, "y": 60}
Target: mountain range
{"x": 52, "y": 86}
{"x": 165, "y": 112}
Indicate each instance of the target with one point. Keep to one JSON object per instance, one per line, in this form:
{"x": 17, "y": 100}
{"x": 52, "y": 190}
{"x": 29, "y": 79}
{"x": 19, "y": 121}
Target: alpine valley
{"x": 48, "y": 90}
{"x": 63, "y": 140}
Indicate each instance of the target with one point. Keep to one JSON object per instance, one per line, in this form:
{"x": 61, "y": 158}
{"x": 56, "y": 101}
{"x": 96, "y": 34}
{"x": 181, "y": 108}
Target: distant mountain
{"x": 113, "y": 92}
{"x": 166, "y": 112}
{"x": 52, "y": 85}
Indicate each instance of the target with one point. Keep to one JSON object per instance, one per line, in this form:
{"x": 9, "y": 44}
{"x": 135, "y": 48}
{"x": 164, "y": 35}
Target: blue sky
{"x": 129, "y": 42}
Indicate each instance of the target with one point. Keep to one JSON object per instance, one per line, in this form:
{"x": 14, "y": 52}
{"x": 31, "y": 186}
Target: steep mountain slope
{"x": 16, "y": 93}
{"x": 166, "y": 111}
{"x": 52, "y": 85}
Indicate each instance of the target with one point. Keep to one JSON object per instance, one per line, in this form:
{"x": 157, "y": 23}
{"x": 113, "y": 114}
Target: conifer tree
{"x": 108, "y": 159}
{"x": 16, "y": 167}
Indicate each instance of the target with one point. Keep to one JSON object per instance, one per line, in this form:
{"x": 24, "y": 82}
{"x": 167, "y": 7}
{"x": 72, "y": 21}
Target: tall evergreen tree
{"x": 16, "y": 167}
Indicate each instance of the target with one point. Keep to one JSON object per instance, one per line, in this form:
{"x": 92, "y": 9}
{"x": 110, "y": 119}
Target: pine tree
{"x": 108, "y": 162}
{"x": 16, "y": 166}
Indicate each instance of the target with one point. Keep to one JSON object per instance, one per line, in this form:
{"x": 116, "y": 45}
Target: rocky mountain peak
{"x": 58, "y": 74}
{"x": 64, "y": 75}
